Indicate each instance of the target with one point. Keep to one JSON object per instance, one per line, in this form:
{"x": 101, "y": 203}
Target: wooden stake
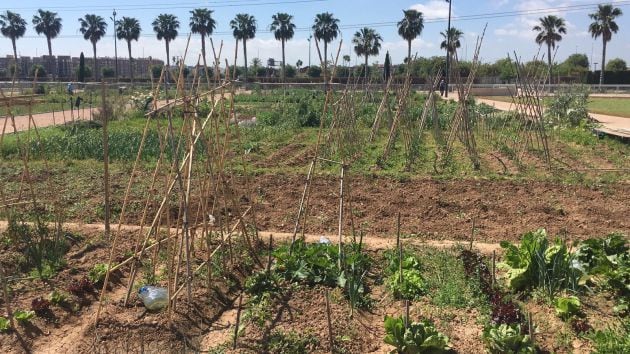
{"x": 494, "y": 266}
{"x": 330, "y": 332}
{"x": 238, "y": 320}
{"x": 270, "y": 251}
{"x": 406, "y": 313}
{"x": 340, "y": 230}
{"x": 104, "y": 116}
{"x": 472, "y": 234}
{"x": 7, "y": 299}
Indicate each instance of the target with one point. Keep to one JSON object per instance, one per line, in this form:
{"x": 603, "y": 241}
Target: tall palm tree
{"x": 12, "y": 26}
{"x": 93, "y": 28}
{"x": 367, "y": 42}
{"x": 283, "y": 29}
{"x": 410, "y": 27}
{"x": 201, "y": 22}
{"x": 244, "y": 28}
{"x": 48, "y": 24}
{"x": 128, "y": 28}
{"x": 455, "y": 35}
{"x": 325, "y": 28}
{"x": 550, "y": 31}
{"x": 604, "y": 25}
{"x": 165, "y": 27}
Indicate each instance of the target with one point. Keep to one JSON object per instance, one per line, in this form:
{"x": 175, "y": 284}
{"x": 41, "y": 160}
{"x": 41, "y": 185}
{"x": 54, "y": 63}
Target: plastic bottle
{"x": 153, "y": 297}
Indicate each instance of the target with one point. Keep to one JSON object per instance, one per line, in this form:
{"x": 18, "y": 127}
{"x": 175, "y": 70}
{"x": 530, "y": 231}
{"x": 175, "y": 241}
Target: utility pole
{"x": 115, "y": 46}
{"x": 309, "y": 50}
{"x": 448, "y": 46}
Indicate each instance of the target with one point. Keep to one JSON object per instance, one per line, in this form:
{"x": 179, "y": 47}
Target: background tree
{"x": 617, "y": 64}
{"x": 299, "y": 64}
{"x": 410, "y": 27}
{"x": 326, "y": 29}
{"x": 604, "y": 26}
{"x": 48, "y": 24}
{"x": 128, "y": 28}
{"x": 346, "y": 60}
{"x": 367, "y": 42}
{"x": 387, "y": 67}
{"x": 283, "y": 29}
{"x": 244, "y": 28}
{"x": 165, "y": 27}
{"x": 12, "y": 26}
{"x": 550, "y": 32}
{"x": 202, "y": 23}
{"x": 455, "y": 36}
{"x": 93, "y": 28}
{"x": 256, "y": 63}
{"x": 81, "y": 74}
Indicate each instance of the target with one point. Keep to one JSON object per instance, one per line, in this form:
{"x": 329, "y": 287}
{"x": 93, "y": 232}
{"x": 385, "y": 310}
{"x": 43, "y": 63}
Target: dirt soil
{"x": 431, "y": 209}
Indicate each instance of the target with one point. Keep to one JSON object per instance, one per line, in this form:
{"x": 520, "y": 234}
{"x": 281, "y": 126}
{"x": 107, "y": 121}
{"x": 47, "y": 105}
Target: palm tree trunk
{"x": 49, "y": 46}
{"x": 284, "y": 68}
{"x": 203, "y": 55}
{"x": 50, "y": 57}
{"x": 409, "y": 54}
{"x": 14, "y": 57}
{"x": 130, "y": 61}
{"x": 601, "y": 74}
{"x": 168, "y": 68}
{"x": 366, "y": 68}
{"x": 245, "y": 57}
{"x": 96, "y": 76}
{"x": 549, "y": 60}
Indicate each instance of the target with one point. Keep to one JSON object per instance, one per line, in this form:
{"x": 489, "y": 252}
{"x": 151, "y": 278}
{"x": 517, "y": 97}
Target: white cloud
{"x": 432, "y": 9}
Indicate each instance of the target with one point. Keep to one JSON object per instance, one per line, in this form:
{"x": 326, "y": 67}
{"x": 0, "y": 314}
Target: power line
{"x": 165, "y": 6}
{"x": 482, "y": 16}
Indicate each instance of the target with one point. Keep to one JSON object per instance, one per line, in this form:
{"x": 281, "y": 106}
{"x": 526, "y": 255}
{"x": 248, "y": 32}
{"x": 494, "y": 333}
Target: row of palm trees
{"x": 551, "y": 28}
{"x": 367, "y": 42}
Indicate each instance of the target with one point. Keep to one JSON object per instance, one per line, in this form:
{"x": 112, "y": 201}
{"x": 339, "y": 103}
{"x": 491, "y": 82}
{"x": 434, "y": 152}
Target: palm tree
{"x": 48, "y": 24}
{"x": 325, "y": 28}
{"x": 128, "y": 28}
{"x": 455, "y": 36}
{"x": 550, "y": 32}
{"x": 604, "y": 25}
{"x": 367, "y": 42}
{"x": 201, "y": 22}
{"x": 283, "y": 29}
{"x": 244, "y": 28}
{"x": 165, "y": 27}
{"x": 93, "y": 28}
{"x": 12, "y": 26}
{"x": 410, "y": 27}
{"x": 346, "y": 59}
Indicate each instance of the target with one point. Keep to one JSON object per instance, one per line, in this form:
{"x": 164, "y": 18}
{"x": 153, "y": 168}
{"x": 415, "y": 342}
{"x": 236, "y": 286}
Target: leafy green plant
{"x": 612, "y": 340}
{"x": 567, "y": 307}
{"x": 418, "y": 337}
{"x": 5, "y": 324}
{"x": 97, "y": 273}
{"x": 413, "y": 284}
{"x": 23, "y": 316}
{"x": 57, "y": 297}
{"x": 537, "y": 263}
{"x": 507, "y": 339}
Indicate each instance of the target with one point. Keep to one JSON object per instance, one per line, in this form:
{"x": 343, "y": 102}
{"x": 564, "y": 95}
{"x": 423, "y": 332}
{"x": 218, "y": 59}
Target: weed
{"x": 612, "y": 340}
{"x": 291, "y": 343}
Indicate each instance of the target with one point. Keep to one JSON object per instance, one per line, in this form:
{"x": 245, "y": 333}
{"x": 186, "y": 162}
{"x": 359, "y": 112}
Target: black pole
{"x": 448, "y": 46}
{"x": 309, "y": 50}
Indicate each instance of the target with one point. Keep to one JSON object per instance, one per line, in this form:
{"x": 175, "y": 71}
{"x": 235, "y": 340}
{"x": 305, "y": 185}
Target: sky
{"x": 509, "y": 27}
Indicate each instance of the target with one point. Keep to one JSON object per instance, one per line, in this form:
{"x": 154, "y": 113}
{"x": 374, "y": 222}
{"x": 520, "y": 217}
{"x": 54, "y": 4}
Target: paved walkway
{"x": 612, "y": 125}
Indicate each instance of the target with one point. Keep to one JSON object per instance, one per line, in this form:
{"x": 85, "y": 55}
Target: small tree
{"x": 617, "y": 64}
{"x": 108, "y": 72}
{"x": 38, "y": 70}
{"x": 387, "y": 73}
{"x": 81, "y": 76}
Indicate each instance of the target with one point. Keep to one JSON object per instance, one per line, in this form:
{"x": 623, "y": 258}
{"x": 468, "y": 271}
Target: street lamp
{"x": 448, "y": 46}
{"x": 115, "y": 45}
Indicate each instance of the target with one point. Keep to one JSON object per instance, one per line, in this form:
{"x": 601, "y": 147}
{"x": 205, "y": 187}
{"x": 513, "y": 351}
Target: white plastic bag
{"x": 153, "y": 297}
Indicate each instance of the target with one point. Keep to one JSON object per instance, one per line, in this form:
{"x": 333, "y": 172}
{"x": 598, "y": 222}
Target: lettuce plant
{"x": 507, "y": 339}
{"x": 567, "y": 307}
{"x": 418, "y": 337}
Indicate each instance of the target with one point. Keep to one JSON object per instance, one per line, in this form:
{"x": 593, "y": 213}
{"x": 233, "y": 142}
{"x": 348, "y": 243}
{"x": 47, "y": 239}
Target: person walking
{"x": 77, "y": 104}
{"x": 442, "y": 87}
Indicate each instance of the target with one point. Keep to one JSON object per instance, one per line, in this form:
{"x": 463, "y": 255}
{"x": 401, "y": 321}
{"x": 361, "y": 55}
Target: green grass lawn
{"x": 619, "y": 107}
